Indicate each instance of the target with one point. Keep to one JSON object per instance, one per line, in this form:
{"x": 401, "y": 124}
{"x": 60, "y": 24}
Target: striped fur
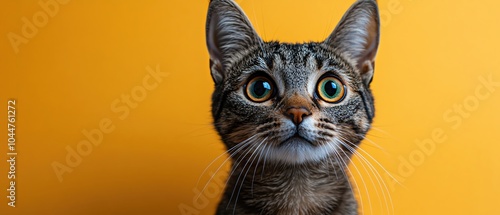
{"x": 273, "y": 172}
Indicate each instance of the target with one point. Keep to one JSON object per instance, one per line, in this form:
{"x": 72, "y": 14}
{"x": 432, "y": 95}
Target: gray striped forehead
{"x": 293, "y": 66}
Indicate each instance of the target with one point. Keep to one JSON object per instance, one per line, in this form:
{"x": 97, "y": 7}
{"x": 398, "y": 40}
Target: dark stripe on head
{"x": 366, "y": 104}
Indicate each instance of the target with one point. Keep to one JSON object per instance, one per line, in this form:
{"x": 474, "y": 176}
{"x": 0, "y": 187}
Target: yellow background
{"x": 431, "y": 57}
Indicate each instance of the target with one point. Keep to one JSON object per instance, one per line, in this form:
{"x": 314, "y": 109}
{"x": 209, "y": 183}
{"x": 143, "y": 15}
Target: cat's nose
{"x": 297, "y": 114}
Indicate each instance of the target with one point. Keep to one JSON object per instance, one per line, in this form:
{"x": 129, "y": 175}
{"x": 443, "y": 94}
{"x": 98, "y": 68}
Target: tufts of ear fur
{"x": 357, "y": 37}
{"x": 228, "y": 32}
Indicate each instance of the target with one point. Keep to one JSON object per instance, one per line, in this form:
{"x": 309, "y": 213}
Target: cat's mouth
{"x": 298, "y": 148}
{"x": 296, "y": 139}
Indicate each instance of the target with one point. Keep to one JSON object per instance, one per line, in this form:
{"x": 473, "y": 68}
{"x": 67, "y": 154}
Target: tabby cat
{"x": 291, "y": 115}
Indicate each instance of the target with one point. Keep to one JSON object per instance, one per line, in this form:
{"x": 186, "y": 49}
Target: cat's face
{"x": 292, "y": 103}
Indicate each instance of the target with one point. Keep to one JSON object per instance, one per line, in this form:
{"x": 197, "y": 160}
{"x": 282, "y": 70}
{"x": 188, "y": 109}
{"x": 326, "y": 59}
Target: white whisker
{"x": 374, "y": 171}
{"x": 364, "y": 163}
{"x": 233, "y": 150}
{"x": 343, "y": 170}
{"x": 362, "y": 179}
{"x": 254, "y": 155}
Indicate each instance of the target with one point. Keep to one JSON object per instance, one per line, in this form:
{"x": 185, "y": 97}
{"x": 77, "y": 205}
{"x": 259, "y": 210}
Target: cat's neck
{"x": 309, "y": 188}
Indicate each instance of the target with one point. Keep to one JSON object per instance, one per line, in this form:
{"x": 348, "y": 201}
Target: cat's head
{"x": 292, "y": 103}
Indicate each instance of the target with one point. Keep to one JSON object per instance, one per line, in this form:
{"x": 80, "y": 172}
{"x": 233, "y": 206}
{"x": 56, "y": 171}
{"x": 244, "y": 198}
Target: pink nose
{"x": 297, "y": 114}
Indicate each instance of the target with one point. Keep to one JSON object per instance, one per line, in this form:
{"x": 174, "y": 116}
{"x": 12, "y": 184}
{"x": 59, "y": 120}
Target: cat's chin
{"x": 297, "y": 150}
{"x": 296, "y": 140}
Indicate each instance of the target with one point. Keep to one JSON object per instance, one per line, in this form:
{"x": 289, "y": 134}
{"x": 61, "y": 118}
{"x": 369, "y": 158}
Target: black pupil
{"x": 260, "y": 88}
{"x": 330, "y": 88}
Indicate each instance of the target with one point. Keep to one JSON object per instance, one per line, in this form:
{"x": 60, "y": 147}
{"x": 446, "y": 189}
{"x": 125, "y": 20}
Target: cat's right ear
{"x": 357, "y": 36}
{"x": 228, "y": 33}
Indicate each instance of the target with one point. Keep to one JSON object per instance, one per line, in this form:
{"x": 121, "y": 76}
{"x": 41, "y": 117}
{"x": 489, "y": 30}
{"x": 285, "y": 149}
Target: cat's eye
{"x": 259, "y": 89}
{"x": 330, "y": 89}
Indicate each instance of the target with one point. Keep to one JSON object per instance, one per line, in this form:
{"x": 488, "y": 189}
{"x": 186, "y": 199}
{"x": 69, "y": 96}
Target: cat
{"x": 291, "y": 115}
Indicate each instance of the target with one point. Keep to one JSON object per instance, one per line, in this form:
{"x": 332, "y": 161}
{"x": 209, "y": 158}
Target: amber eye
{"x": 259, "y": 89}
{"x": 330, "y": 89}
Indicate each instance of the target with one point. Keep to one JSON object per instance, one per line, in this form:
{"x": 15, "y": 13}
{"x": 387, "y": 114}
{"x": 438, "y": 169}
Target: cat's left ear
{"x": 357, "y": 36}
{"x": 228, "y": 33}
